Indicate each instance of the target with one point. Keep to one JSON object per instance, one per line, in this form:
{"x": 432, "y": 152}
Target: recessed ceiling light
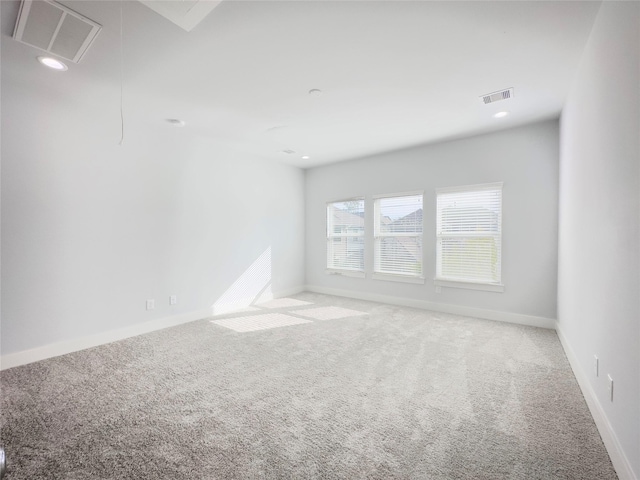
{"x": 176, "y": 122}
{"x": 288, "y": 151}
{"x": 52, "y": 63}
{"x": 500, "y": 114}
{"x": 315, "y": 91}
{"x": 306, "y": 157}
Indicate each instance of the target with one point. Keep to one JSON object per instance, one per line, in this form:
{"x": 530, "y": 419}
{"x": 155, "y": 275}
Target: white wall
{"x": 599, "y": 246}
{"x": 525, "y": 159}
{"x": 90, "y": 230}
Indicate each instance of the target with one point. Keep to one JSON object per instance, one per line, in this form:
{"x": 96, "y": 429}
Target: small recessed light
{"x": 315, "y": 91}
{"x": 288, "y": 151}
{"x": 176, "y": 122}
{"x": 500, "y": 114}
{"x": 306, "y": 157}
{"x": 52, "y": 63}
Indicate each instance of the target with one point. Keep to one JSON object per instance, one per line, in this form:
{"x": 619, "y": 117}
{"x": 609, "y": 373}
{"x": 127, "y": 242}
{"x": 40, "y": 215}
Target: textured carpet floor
{"x": 382, "y": 393}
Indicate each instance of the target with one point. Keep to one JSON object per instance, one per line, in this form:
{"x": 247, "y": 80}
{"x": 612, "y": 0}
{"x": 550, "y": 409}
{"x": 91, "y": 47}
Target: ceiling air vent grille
{"x": 54, "y": 28}
{"x": 497, "y": 96}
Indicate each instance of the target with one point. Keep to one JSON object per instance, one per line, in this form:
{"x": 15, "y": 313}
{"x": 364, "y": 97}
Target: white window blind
{"x": 469, "y": 231}
{"x": 345, "y": 235}
{"x": 398, "y": 235}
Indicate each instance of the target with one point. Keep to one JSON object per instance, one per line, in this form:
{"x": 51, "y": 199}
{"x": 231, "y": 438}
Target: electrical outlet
{"x": 151, "y": 304}
{"x": 610, "y": 387}
{"x": 438, "y": 289}
{"x": 595, "y": 365}
{"x": 173, "y": 299}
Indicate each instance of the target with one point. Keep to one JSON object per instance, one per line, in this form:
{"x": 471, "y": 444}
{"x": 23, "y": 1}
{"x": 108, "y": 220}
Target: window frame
{"x": 331, "y": 235}
{"x": 377, "y": 235}
{"x": 439, "y": 280}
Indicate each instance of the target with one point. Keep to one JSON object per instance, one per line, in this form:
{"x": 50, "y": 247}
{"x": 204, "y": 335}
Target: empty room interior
{"x": 320, "y": 239}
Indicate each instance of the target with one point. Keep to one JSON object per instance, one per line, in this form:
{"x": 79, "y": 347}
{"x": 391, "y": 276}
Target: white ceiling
{"x": 393, "y": 73}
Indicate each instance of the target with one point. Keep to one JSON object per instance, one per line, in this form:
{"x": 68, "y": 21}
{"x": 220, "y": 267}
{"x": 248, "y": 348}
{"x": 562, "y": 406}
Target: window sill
{"x": 345, "y": 273}
{"x": 487, "y": 287}
{"x": 397, "y": 278}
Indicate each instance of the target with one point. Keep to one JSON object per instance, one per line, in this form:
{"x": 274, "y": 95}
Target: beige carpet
{"x": 316, "y": 387}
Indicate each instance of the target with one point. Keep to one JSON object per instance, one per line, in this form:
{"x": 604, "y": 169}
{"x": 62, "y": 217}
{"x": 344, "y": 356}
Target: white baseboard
{"x": 616, "y": 453}
{"x": 509, "y": 317}
{"x": 223, "y": 306}
{"x": 609, "y": 438}
{"x": 73, "y": 345}
{"x": 289, "y": 291}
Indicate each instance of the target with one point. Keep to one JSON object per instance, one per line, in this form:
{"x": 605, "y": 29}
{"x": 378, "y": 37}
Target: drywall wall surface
{"x": 524, "y": 158}
{"x": 92, "y": 229}
{"x": 599, "y": 239}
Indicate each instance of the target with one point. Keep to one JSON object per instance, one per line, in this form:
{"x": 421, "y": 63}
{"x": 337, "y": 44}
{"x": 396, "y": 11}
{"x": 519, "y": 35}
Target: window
{"x": 469, "y": 231}
{"x": 398, "y": 237}
{"x": 345, "y": 237}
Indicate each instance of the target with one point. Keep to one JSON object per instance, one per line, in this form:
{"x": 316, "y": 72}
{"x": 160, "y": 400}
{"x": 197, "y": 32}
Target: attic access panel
{"x": 54, "y": 28}
{"x": 184, "y": 13}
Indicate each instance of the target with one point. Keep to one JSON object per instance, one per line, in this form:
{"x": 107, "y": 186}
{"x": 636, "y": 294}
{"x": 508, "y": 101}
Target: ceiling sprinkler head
{"x": 176, "y": 122}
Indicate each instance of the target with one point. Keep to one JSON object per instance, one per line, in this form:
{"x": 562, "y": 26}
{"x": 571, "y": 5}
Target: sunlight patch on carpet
{"x": 284, "y": 303}
{"x": 259, "y": 322}
{"x": 328, "y": 313}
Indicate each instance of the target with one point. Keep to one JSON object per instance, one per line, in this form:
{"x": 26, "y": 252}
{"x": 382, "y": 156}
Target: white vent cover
{"x": 54, "y": 28}
{"x": 184, "y": 13}
{"x": 497, "y": 96}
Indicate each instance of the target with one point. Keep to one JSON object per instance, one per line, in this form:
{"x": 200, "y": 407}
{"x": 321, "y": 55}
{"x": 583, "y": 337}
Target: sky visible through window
{"x": 399, "y": 207}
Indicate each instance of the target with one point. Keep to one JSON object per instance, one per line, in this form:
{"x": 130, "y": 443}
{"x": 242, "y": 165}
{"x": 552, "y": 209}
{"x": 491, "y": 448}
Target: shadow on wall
{"x": 253, "y": 286}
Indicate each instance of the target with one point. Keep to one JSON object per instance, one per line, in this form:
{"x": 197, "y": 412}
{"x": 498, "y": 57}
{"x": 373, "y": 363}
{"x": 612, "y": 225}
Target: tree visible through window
{"x": 398, "y": 235}
{"x": 345, "y": 235}
{"x": 469, "y": 230}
